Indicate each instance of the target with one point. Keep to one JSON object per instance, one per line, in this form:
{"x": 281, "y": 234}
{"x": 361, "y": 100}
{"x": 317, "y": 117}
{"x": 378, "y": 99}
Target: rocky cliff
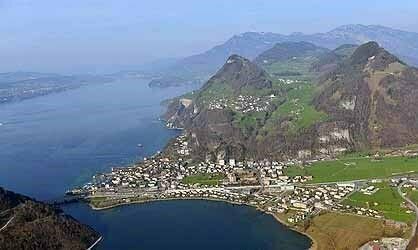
{"x": 376, "y": 95}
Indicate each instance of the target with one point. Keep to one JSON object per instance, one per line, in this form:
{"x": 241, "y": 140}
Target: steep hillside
{"x": 241, "y": 112}
{"x": 28, "y": 224}
{"x": 367, "y": 100}
{"x": 376, "y": 94}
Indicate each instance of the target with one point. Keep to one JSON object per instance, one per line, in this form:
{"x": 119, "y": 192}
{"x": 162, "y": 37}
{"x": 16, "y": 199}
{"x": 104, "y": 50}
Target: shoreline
{"x": 314, "y": 244}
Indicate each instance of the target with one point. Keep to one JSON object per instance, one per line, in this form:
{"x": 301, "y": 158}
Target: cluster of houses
{"x": 216, "y": 194}
{"x": 297, "y": 217}
{"x": 262, "y": 183}
{"x": 309, "y": 198}
{"x": 242, "y": 103}
{"x": 386, "y": 244}
{"x": 370, "y": 190}
{"x": 288, "y": 81}
{"x": 181, "y": 145}
{"x": 298, "y": 108}
{"x": 357, "y": 210}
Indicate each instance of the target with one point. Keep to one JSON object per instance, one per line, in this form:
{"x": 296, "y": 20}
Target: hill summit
{"x": 376, "y": 94}
{"x": 367, "y": 100}
{"x": 239, "y": 72}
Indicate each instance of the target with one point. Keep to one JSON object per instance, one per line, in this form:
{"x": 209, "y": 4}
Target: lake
{"x": 52, "y": 143}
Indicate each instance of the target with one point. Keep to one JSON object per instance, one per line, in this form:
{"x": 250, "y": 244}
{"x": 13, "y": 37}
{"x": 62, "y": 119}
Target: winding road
{"x": 414, "y": 226}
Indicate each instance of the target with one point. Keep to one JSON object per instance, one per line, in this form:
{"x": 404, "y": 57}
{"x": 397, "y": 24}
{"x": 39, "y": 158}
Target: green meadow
{"x": 349, "y": 169}
{"x": 386, "y": 200}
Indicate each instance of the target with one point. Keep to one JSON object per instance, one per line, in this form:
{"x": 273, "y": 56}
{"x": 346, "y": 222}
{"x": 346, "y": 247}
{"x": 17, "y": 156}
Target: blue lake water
{"x": 52, "y": 143}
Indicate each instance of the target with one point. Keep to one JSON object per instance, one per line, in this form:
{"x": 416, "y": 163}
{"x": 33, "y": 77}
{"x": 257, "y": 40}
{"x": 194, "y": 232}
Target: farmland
{"x": 297, "y": 108}
{"x": 344, "y": 231}
{"x": 349, "y": 169}
{"x": 386, "y": 200}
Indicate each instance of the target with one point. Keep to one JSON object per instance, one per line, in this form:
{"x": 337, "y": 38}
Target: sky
{"x": 100, "y": 36}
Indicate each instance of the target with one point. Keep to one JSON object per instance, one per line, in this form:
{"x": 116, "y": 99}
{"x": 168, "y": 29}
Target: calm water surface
{"x": 52, "y": 143}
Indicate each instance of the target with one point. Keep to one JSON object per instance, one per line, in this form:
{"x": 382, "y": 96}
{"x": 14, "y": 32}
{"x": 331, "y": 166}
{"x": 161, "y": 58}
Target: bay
{"x": 52, "y": 143}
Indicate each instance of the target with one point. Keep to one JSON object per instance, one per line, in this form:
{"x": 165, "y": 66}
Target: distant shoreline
{"x": 314, "y": 245}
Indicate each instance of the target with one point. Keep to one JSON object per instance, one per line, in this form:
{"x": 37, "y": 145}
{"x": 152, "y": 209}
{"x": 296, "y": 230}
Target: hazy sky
{"x": 72, "y": 36}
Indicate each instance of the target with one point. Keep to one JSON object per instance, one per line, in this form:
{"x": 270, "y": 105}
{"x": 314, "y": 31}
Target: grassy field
{"x": 413, "y": 195}
{"x": 348, "y": 169}
{"x": 249, "y": 122}
{"x": 204, "y": 179}
{"x": 298, "y": 107}
{"x": 293, "y": 68}
{"x": 387, "y": 201}
{"x": 342, "y": 231}
{"x": 215, "y": 91}
{"x": 96, "y": 201}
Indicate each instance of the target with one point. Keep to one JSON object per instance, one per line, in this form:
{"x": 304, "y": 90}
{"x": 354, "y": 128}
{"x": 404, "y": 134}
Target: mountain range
{"x": 365, "y": 100}
{"x": 403, "y": 44}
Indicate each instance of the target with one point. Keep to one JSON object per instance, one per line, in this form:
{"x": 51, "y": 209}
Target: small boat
{"x": 140, "y": 145}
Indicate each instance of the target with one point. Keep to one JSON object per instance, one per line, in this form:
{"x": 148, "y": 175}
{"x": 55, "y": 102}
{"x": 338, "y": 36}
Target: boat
{"x": 140, "y": 145}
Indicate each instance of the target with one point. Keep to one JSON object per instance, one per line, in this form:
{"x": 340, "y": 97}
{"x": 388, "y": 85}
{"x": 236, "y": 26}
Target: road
{"x": 95, "y": 243}
{"x": 4, "y": 227}
{"x": 414, "y": 226}
{"x": 135, "y": 193}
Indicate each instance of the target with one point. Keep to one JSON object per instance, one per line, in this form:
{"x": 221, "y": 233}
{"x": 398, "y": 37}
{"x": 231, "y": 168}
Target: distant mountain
{"x": 400, "y": 43}
{"x": 367, "y": 100}
{"x": 29, "y": 224}
{"x": 292, "y": 58}
{"x": 282, "y": 52}
{"x": 329, "y": 61}
{"x": 251, "y": 44}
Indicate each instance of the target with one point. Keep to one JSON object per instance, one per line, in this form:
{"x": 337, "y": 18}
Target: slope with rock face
{"x": 376, "y": 94}
{"x": 367, "y": 101}
{"x": 211, "y": 116}
{"x": 240, "y": 112}
{"x": 28, "y": 224}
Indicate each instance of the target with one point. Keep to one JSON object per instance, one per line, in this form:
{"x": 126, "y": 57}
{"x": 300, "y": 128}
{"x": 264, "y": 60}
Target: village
{"x": 262, "y": 184}
{"x": 242, "y": 103}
